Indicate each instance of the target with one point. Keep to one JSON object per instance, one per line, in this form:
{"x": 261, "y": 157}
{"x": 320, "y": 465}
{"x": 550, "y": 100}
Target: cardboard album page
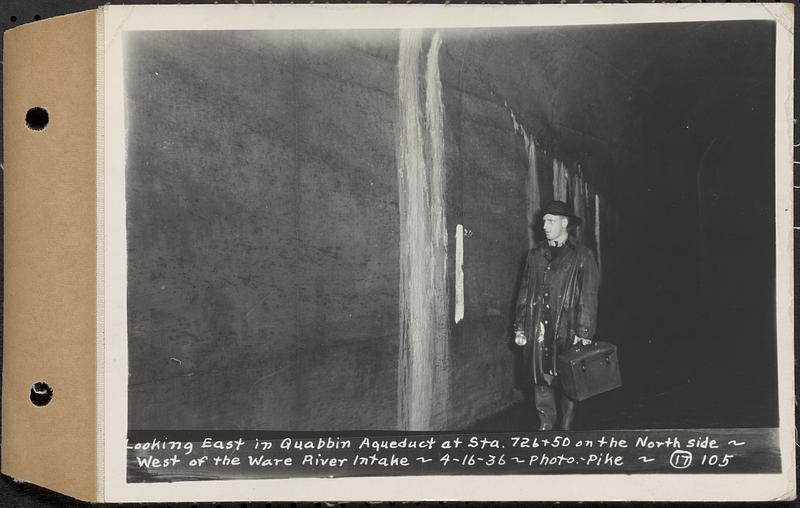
{"x": 49, "y": 325}
{"x": 409, "y": 253}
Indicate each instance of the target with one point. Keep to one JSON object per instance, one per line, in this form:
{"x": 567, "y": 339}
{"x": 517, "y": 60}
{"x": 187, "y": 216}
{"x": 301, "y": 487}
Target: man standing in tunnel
{"x": 556, "y": 310}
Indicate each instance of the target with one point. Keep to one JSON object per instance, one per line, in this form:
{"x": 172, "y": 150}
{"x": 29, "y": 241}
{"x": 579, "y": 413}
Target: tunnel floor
{"x": 682, "y": 406}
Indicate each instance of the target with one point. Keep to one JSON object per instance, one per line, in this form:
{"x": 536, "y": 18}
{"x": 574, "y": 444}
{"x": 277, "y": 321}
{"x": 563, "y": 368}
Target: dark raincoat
{"x": 561, "y": 294}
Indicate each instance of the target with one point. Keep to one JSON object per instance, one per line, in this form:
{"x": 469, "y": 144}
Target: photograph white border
{"x": 112, "y": 324}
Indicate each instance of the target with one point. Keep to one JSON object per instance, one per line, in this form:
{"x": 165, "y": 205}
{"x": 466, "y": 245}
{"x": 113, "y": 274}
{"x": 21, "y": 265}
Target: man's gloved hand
{"x": 581, "y": 341}
{"x": 519, "y": 338}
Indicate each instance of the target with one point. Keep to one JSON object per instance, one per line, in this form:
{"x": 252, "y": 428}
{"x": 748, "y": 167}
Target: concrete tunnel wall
{"x": 262, "y": 230}
{"x": 265, "y": 216}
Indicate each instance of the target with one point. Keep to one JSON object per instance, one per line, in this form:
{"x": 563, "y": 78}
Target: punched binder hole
{"x": 41, "y": 393}
{"x": 13, "y": 19}
{"x": 37, "y": 118}
{"x": 36, "y": 17}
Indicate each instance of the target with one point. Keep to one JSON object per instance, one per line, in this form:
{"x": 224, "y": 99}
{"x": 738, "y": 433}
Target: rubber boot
{"x": 545, "y": 400}
{"x": 566, "y": 413}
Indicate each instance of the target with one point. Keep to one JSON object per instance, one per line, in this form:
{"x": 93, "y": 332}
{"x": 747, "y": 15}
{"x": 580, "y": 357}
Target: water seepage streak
{"x": 424, "y": 299}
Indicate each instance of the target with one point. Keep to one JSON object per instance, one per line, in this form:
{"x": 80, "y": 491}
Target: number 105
{"x": 716, "y": 460}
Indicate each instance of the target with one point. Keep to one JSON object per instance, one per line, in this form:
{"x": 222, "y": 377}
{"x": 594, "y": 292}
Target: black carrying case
{"x": 590, "y": 370}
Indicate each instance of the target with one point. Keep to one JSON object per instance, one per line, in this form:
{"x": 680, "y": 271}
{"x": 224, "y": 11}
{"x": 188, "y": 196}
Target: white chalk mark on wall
{"x": 459, "y": 273}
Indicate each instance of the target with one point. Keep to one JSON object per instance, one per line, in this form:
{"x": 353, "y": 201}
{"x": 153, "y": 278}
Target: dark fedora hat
{"x": 562, "y": 209}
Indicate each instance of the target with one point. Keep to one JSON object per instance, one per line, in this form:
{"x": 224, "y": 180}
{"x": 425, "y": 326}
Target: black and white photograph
{"x": 343, "y": 244}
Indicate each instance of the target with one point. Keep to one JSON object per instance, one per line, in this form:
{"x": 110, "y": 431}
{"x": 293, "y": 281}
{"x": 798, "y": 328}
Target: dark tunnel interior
{"x": 689, "y": 271}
